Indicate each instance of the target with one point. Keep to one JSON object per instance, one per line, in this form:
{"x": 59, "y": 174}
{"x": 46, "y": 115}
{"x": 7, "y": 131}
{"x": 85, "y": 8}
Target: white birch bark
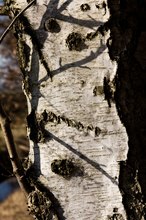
{"x": 82, "y": 127}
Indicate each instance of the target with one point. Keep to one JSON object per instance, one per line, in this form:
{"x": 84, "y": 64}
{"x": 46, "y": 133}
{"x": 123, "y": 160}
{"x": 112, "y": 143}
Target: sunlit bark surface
{"x": 76, "y": 137}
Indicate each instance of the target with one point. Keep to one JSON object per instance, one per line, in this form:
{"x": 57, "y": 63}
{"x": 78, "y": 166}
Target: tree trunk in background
{"x": 84, "y": 79}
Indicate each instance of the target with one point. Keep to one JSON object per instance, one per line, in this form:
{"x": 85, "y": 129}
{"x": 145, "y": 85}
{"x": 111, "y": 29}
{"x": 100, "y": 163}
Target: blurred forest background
{"x": 12, "y": 201}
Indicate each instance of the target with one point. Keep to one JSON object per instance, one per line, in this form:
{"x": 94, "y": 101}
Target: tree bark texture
{"x": 84, "y": 75}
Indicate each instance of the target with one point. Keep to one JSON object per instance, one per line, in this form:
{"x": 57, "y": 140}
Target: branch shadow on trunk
{"x": 83, "y": 157}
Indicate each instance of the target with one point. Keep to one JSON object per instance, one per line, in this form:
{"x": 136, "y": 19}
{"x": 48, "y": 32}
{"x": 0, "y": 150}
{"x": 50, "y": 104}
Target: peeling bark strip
{"x": 68, "y": 76}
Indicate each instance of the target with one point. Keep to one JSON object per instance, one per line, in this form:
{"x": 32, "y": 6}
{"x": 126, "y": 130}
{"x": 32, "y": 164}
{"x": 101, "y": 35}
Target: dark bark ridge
{"x": 126, "y": 46}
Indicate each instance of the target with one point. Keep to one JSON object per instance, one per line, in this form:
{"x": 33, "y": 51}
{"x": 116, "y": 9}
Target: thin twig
{"x": 14, "y": 20}
{"x": 18, "y": 169}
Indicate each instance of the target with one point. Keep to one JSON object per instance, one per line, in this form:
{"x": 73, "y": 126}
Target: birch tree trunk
{"x": 80, "y": 62}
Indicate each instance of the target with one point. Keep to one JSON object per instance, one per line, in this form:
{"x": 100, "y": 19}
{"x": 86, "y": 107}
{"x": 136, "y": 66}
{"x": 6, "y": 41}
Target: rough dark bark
{"x": 128, "y": 33}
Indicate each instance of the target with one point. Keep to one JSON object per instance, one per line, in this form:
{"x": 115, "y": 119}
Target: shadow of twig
{"x": 83, "y": 157}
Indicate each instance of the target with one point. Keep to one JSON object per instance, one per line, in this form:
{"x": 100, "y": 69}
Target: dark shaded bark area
{"x": 127, "y": 46}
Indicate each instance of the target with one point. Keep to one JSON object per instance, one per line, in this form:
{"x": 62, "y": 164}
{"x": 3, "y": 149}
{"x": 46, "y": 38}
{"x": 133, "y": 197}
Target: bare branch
{"x": 14, "y": 20}
{"x": 18, "y": 169}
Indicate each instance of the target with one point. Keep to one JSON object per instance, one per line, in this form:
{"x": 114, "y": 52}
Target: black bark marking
{"x": 91, "y": 35}
{"x": 95, "y": 91}
{"x": 108, "y": 91}
{"x": 102, "y": 6}
{"x": 40, "y": 206}
{"x": 102, "y": 29}
{"x": 62, "y": 167}
{"x": 97, "y": 131}
{"x": 116, "y": 215}
{"x": 33, "y": 125}
{"x": 75, "y": 41}
{"x": 85, "y": 7}
{"x": 37, "y": 123}
{"x": 66, "y": 168}
{"x": 57, "y": 119}
{"x": 52, "y": 25}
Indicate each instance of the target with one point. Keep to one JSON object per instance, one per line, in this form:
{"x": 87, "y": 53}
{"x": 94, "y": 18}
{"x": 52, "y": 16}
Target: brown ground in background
{"x": 14, "y": 208}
